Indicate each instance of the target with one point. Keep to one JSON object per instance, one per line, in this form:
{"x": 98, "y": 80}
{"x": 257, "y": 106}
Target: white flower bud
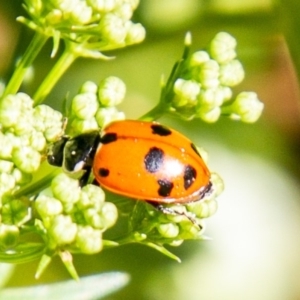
{"x": 222, "y": 47}
{"x": 7, "y": 182}
{"x": 112, "y": 29}
{"x": 103, "y": 6}
{"x": 6, "y": 166}
{"x": 210, "y": 98}
{"x": 21, "y": 178}
{"x": 26, "y": 159}
{"x": 246, "y": 107}
{"x": 62, "y": 230}
{"x": 106, "y": 115}
{"x": 80, "y": 126}
{"x": 209, "y": 116}
{"x": 187, "y": 92}
{"x": 85, "y": 105}
{"x": 111, "y": 91}
{"x": 231, "y": 73}
{"x": 136, "y": 33}
{"x": 48, "y": 206}
{"x": 6, "y": 146}
{"x": 66, "y": 189}
{"x": 89, "y": 87}
{"x": 198, "y": 58}
{"x": 89, "y": 240}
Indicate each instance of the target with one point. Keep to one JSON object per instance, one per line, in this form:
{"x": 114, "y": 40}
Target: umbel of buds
{"x": 87, "y": 26}
{"x": 201, "y": 85}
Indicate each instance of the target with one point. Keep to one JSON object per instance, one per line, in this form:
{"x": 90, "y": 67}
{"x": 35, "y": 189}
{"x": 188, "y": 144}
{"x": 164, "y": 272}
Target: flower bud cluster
{"x": 178, "y": 222}
{"x": 96, "y": 25}
{"x": 75, "y": 218}
{"x": 94, "y": 106}
{"x": 25, "y": 130}
{"x": 203, "y": 85}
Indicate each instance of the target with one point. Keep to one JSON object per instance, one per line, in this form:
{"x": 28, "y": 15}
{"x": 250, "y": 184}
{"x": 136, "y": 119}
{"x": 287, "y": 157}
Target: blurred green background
{"x": 255, "y": 248}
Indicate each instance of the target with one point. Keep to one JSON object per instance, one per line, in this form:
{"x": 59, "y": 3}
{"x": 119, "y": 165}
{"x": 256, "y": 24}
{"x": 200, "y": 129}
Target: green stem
{"x": 30, "y": 54}
{"x": 61, "y": 66}
{"x": 36, "y": 186}
{"x": 155, "y": 113}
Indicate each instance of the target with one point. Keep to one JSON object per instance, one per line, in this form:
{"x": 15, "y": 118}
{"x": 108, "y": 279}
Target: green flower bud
{"x": 54, "y": 17}
{"x": 169, "y": 230}
{"x": 84, "y": 106}
{"x": 178, "y": 217}
{"x": 246, "y": 107}
{"x": 62, "y": 230}
{"x": 218, "y": 184}
{"x": 89, "y": 240}
{"x": 48, "y": 206}
{"x": 209, "y": 116}
{"x": 203, "y": 209}
{"x": 139, "y": 237}
{"x": 106, "y": 115}
{"x": 109, "y": 214}
{"x": 15, "y": 212}
{"x": 198, "y": 58}
{"x": 176, "y": 243}
{"x": 80, "y": 126}
{"x": 66, "y": 189}
{"x": 112, "y": 29}
{"x": 231, "y": 73}
{"x": 189, "y": 230}
{"x": 7, "y": 182}
{"x": 136, "y": 33}
{"x": 203, "y": 154}
{"x": 26, "y": 159}
{"x": 91, "y": 196}
{"x": 89, "y": 87}
{"x": 222, "y": 47}
{"x": 9, "y": 235}
{"x": 20, "y": 177}
{"x": 93, "y": 218}
{"x": 6, "y": 166}
{"x": 111, "y": 91}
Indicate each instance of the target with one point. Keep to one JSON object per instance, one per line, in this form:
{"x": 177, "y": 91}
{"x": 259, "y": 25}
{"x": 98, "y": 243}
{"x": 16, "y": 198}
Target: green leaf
{"x": 23, "y": 253}
{"x": 88, "y": 288}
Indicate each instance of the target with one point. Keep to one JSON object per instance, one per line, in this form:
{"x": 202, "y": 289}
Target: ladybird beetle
{"x": 137, "y": 159}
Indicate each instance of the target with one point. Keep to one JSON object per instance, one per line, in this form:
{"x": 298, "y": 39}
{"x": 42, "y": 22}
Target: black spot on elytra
{"x": 160, "y": 130}
{"x": 189, "y": 176}
{"x": 165, "y": 187}
{"x": 195, "y": 149}
{"x": 109, "y": 138}
{"x": 154, "y": 159}
{"x": 103, "y": 172}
